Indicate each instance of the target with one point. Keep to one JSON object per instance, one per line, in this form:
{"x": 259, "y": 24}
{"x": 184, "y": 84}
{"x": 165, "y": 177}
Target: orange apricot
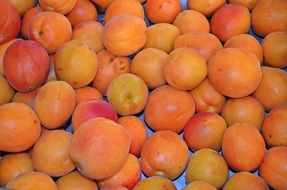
{"x": 62, "y": 7}
{"x": 155, "y": 182}
{"x": 87, "y": 93}
{"x": 27, "y": 18}
{"x": 206, "y": 7}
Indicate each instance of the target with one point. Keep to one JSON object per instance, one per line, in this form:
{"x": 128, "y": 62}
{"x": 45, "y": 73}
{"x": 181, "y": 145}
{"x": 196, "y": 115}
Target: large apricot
{"x": 272, "y": 90}
{"x": 124, "y": 34}
{"x": 206, "y": 7}
{"x": 207, "y": 165}
{"x": 7, "y": 92}
{"x": 234, "y": 72}
{"x": 155, "y": 182}
{"x": 62, "y": 7}
{"x": 243, "y": 147}
{"x": 26, "y": 65}
{"x": 230, "y": 20}
{"x": 55, "y": 103}
{"x": 95, "y": 150}
{"x": 165, "y": 153}
{"x": 269, "y": 16}
{"x": 76, "y": 63}
{"x": 19, "y": 127}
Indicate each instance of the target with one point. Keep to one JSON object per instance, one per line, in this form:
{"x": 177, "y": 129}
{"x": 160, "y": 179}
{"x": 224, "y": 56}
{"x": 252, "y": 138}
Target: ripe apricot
{"x": 130, "y": 35}
{"x": 26, "y": 97}
{"x": 62, "y": 7}
{"x": 199, "y": 185}
{"x": 165, "y": 153}
{"x": 249, "y": 4}
{"x": 168, "y": 108}
{"x": 87, "y": 93}
{"x": 155, "y": 182}
{"x": 7, "y": 92}
{"x": 23, "y": 6}
{"x": 234, "y": 72}
{"x": 206, "y": 7}
{"x": 185, "y": 68}
{"x": 243, "y": 147}
{"x": 27, "y": 18}
{"x": 19, "y": 127}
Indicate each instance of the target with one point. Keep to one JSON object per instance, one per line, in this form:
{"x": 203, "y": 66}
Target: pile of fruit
{"x": 143, "y": 95}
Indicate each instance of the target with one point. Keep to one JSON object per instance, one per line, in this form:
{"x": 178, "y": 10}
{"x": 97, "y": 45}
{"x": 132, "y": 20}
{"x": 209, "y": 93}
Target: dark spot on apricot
{"x": 270, "y": 136}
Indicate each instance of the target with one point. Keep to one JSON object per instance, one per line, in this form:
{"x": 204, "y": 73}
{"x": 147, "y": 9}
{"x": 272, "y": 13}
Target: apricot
{"x": 243, "y": 110}
{"x": 191, "y": 20}
{"x": 274, "y": 47}
{"x": 204, "y": 130}
{"x": 269, "y": 16}
{"x": 207, "y": 165}
{"x": 50, "y": 29}
{"x": 23, "y": 6}
{"x": 274, "y": 127}
{"x": 206, "y": 43}
{"x": 243, "y": 147}
{"x": 234, "y": 72}
{"x": 76, "y": 63}
{"x": 168, "y": 108}
{"x": 206, "y": 7}
{"x": 26, "y": 97}
{"x": 272, "y": 90}
{"x": 207, "y": 98}
{"x": 273, "y": 167}
{"x": 109, "y": 66}
{"x": 128, "y": 176}
{"x": 124, "y": 34}
{"x": 54, "y": 104}
{"x": 20, "y": 127}
{"x": 185, "y": 68}
{"x": 249, "y": 4}
{"x": 118, "y": 7}
{"x": 199, "y": 185}
{"x": 84, "y": 10}
{"x": 26, "y": 65}
{"x": 165, "y": 154}
{"x": 102, "y": 3}
{"x": 7, "y": 92}
{"x": 162, "y": 11}
{"x": 230, "y": 20}
{"x": 29, "y": 14}
{"x": 87, "y": 93}
{"x": 114, "y": 188}
{"x": 95, "y": 150}
{"x": 32, "y": 181}
{"x": 14, "y": 164}
{"x": 148, "y": 64}
{"x": 62, "y": 7}
{"x": 155, "y": 182}
{"x": 245, "y": 181}
{"x": 161, "y": 36}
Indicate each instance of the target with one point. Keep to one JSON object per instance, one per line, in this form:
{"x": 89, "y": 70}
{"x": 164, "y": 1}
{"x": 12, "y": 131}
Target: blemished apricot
{"x": 26, "y": 97}
{"x": 185, "y": 68}
{"x": 128, "y": 176}
{"x": 87, "y": 93}
{"x": 148, "y": 64}
{"x": 84, "y": 10}
{"x": 191, "y": 20}
{"x": 249, "y": 4}
{"x": 89, "y": 32}
{"x": 230, "y": 20}
{"x": 263, "y": 22}
{"x": 274, "y": 47}
{"x": 137, "y": 130}
{"x": 206, "y": 43}
{"x": 26, "y": 65}
{"x": 199, "y": 185}
{"x": 247, "y": 42}
{"x": 23, "y": 6}
{"x": 272, "y": 90}
{"x": 204, "y": 130}
{"x": 207, "y": 98}
{"x": 234, "y": 72}
{"x": 3, "y": 49}
{"x": 168, "y": 108}
{"x": 207, "y": 165}
{"x": 124, "y": 34}
{"x": 245, "y": 181}
{"x": 95, "y": 150}
{"x": 165, "y": 153}
{"x": 20, "y": 127}
{"x": 62, "y": 7}
{"x": 27, "y": 18}
{"x": 32, "y": 181}
{"x": 76, "y": 63}
{"x": 161, "y": 36}
{"x": 51, "y": 153}
{"x": 117, "y": 7}
{"x": 7, "y": 92}
{"x": 273, "y": 167}
{"x": 109, "y": 66}
{"x": 54, "y": 104}
{"x": 243, "y": 147}
{"x": 206, "y": 7}
{"x": 162, "y": 11}
{"x": 274, "y": 127}
{"x": 75, "y": 181}
{"x": 50, "y": 29}
{"x": 155, "y": 182}
{"x": 14, "y": 164}
{"x": 243, "y": 110}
